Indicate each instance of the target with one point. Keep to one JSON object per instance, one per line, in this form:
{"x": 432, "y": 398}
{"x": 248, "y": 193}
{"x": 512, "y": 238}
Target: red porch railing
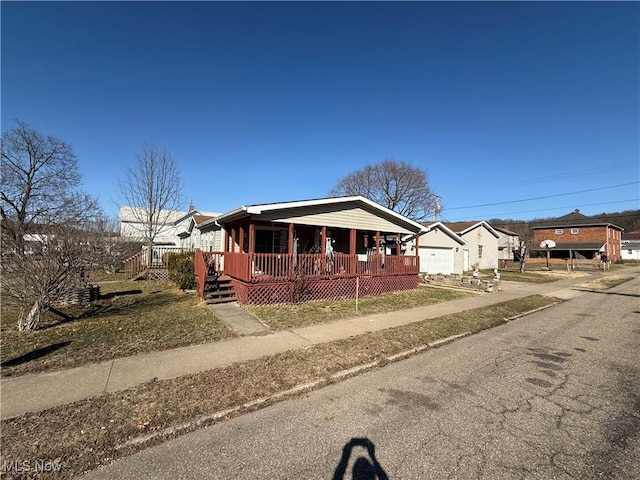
{"x": 269, "y": 267}
{"x": 207, "y": 264}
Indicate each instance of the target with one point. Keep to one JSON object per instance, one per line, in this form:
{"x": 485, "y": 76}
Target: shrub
{"x": 181, "y": 270}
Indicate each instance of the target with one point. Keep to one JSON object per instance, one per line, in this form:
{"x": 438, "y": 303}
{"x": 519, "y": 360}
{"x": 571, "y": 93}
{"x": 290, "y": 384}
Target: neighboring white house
{"x": 508, "y": 242}
{"x": 482, "y": 242}
{"x": 173, "y": 224}
{"x": 630, "y": 246}
{"x": 202, "y": 233}
{"x": 440, "y": 249}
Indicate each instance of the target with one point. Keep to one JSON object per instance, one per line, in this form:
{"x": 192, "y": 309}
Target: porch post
{"x": 323, "y": 249}
{"x": 352, "y": 241}
{"x": 352, "y": 251}
{"x": 290, "y": 247}
{"x": 252, "y": 238}
{"x": 241, "y": 239}
{"x": 225, "y": 247}
{"x": 417, "y": 244}
{"x": 398, "y": 244}
{"x": 378, "y": 253}
{"x": 233, "y": 239}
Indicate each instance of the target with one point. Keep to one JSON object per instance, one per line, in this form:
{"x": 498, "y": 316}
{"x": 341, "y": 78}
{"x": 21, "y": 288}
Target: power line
{"x": 534, "y": 221}
{"x": 577, "y": 173}
{"x": 541, "y": 198}
{"x": 496, "y": 215}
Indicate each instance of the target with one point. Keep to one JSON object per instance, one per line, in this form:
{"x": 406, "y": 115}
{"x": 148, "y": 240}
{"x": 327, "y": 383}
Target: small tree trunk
{"x": 32, "y": 319}
{"x": 150, "y": 263}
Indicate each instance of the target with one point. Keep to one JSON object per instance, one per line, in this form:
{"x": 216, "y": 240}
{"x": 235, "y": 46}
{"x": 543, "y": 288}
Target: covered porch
{"x": 258, "y": 252}
{"x": 313, "y": 253}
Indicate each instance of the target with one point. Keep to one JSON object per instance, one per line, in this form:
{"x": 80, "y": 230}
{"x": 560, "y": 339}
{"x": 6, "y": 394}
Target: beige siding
{"x": 338, "y": 216}
{"x": 437, "y": 238}
{"x": 481, "y": 236}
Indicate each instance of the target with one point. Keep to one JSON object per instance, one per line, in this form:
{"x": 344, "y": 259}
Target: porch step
{"x": 218, "y": 289}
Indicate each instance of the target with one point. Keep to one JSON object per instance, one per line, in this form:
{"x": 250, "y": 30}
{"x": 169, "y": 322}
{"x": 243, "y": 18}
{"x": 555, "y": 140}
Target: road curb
{"x": 226, "y": 414}
{"x": 529, "y": 312}
{"x": 445, "y": 341}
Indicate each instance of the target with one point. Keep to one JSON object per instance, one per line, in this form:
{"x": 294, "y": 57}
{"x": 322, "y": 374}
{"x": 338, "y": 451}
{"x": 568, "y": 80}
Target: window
{"x": 271, "y": 240}
{"x": 630, "y": 252}
{"x": 479, "y": 251}
{"x": 559, "y": 231}
{"x": 575, "y": 231}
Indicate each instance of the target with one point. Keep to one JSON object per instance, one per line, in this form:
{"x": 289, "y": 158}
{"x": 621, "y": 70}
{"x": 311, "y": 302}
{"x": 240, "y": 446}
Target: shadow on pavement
{"x": 363, "y": 468}
{"x": 608, "y": 293}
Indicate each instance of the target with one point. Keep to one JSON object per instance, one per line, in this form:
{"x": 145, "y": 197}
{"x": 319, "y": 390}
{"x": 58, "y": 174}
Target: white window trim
{"x": 559, "y": 231}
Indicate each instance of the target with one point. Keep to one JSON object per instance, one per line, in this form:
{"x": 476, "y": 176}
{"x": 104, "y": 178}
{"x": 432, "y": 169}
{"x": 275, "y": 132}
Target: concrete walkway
{"x": 30, "y": 393}
{"x": 238, "y": 319}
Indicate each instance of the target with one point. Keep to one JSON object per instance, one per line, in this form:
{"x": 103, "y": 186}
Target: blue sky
{"x": 265, "y": 102}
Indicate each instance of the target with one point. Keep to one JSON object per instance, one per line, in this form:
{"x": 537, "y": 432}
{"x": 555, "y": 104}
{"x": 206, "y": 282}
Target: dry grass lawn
{"x": 533, "y": 276}
{"x": 131, "y": 318}
{"x": 604, "y": 283}
{"x": 96, "y": 431}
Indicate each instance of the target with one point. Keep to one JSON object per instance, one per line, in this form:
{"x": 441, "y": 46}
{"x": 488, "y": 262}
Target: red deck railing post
{"x": 200, "y": 268}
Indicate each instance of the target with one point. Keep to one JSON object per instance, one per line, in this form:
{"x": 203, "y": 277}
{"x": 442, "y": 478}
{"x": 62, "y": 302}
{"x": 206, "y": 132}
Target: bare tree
{"x": 152, "y": 188}
{"x": 394, "y": 184}
{"x": 525, "y": 239}
{"x": 53, "y": 264}
{"x": 44, "y": 216}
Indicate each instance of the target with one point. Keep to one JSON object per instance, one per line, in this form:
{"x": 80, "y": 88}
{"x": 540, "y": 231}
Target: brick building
{"x": 578, "y": 236}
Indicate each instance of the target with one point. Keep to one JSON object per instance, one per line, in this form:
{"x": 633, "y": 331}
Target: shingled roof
{"x": 574, "y": 219}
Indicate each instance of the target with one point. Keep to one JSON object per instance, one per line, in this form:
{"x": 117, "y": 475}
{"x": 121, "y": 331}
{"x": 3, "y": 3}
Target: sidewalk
{"x": 30, "y": 393}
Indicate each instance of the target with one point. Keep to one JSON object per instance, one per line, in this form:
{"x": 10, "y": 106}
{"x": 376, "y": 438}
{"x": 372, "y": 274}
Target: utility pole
{"x": 437, "y": 208}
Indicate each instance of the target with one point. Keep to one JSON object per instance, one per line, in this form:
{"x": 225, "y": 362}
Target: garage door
{"x": 436, "y": 260}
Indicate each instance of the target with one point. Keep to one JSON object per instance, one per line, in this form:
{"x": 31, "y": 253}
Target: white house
{"x": 440, "y": 249}
{"x": 173, "y": 224}
{"x": 508, "y": 242}
{"x": 202, "y": 233}
{"x": 630, "y": 246}
{"x": 482, "y": 241}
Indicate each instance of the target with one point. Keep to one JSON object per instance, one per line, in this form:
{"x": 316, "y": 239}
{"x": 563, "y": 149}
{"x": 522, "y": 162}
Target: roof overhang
{"x": 480, "y": 224}
{"x": 506, "y": 231}
{"x": 443, "y": 228}
{"x": 247, "y": 211}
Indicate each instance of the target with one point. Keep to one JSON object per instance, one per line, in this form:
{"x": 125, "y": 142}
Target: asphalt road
{"x": 554, "y": 395}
